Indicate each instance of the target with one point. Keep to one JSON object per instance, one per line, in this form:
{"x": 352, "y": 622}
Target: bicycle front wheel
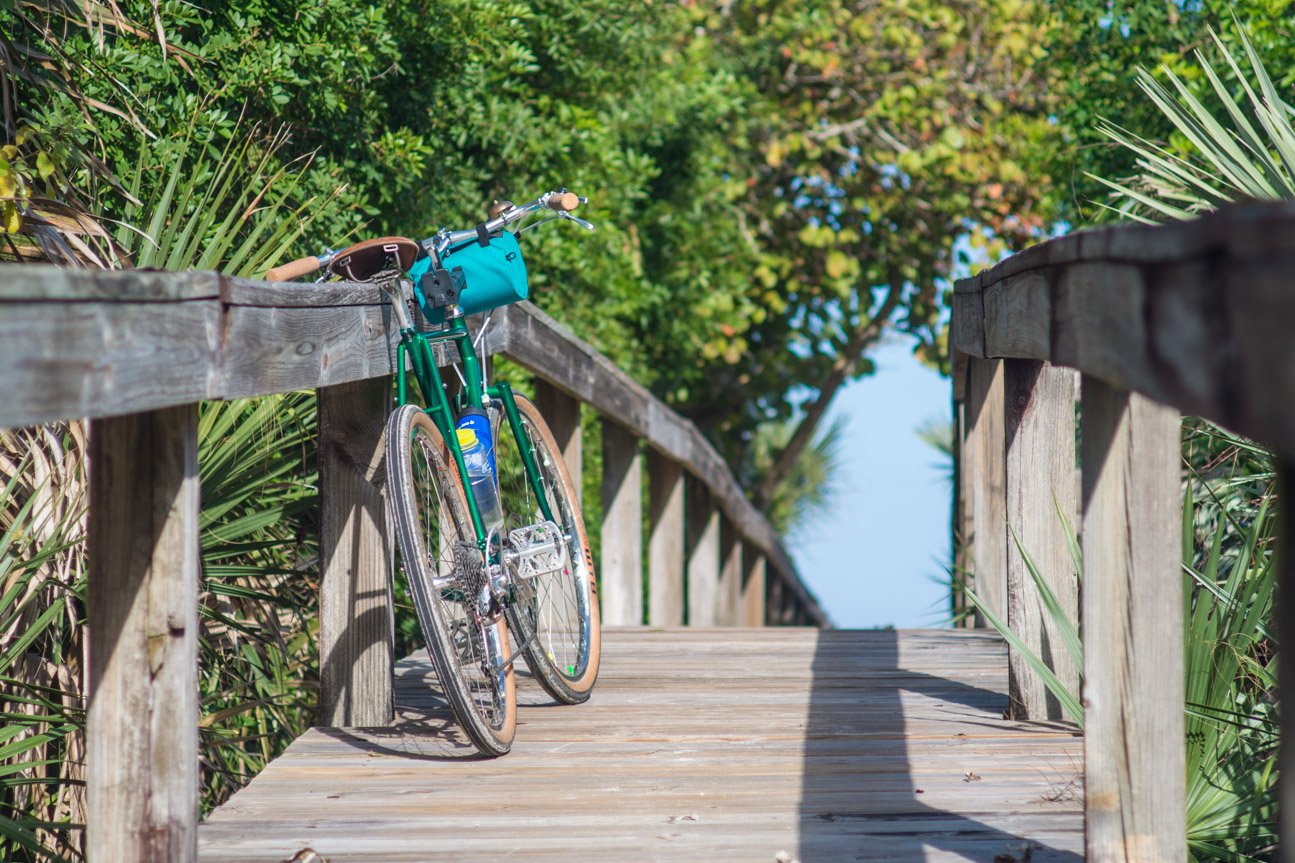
{"x": 554, "y": 614}
{"x": 466, "y": 637}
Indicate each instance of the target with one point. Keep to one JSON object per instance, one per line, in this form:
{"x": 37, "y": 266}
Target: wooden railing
{"x": 1195, "y": 317}
{"x": 136, "y": 351}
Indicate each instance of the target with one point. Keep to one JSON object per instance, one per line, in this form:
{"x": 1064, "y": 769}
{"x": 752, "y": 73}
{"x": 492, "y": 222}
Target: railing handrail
{"x": 1194, "y": 317}
{"x": 93, "y": 343}
{"x": 1197, "y": 315}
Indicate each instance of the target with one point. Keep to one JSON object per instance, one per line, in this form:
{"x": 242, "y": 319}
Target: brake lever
{"x": 588, "y": 226}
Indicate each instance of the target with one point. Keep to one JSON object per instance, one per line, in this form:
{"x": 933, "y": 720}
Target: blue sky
{"x": 873, "y": 558}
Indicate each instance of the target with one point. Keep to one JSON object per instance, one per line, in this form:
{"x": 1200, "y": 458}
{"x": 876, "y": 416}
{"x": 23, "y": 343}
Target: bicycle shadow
{"x": 424, "y": 727}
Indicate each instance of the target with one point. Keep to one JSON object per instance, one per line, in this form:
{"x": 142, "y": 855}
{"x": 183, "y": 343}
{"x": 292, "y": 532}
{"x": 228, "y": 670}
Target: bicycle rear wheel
{"x": 554, "y": 615}
{"x": 448, "y": 581}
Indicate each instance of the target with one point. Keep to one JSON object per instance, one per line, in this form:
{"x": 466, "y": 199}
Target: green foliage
{"x": 809, "y": 489}
{"x": 1096, "y": 50}
{"x": 1249, "y": 154}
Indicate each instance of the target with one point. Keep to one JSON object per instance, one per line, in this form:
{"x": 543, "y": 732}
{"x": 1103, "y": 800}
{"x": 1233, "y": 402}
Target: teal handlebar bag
{"x": 493, "y": 275}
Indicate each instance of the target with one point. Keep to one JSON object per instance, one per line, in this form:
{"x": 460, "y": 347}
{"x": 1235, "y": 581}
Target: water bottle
{"x": 481, "y": 476}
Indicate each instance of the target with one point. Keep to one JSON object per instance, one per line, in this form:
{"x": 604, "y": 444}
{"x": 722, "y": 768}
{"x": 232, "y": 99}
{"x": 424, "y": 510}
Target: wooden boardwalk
{"x": 715, "y": 745}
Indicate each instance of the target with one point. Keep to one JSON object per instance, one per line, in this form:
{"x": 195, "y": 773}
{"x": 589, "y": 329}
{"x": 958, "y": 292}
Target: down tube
{"x": 504, "y": 393}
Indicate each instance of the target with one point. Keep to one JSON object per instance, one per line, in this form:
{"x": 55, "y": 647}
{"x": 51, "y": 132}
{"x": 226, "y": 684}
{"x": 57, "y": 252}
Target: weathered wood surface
{"x": 356, "y": 629}
{"x": 665, "y": 541}
{"x": 1135, "y": 746}
{"x": 142, "y": 730}
{"x": 754, "y": 581}
{"x": 621, "y": 567}
{"x": 562, "y": 413}
{"x": 1042, "y": 488}
{"x": 703, "y": 552}
{"x": 89, "y": 344}
{"x": 983, "y": 477}
{"x": 697, "y": 745}
{"x": 1194, "y": 314}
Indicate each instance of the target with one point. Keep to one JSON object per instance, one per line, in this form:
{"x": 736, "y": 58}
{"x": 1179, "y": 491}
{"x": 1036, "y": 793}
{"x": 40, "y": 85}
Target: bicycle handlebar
{"x": 561, "y": 202}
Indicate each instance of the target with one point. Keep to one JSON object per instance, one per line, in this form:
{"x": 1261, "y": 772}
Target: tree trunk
{"x": 842, "y": 370}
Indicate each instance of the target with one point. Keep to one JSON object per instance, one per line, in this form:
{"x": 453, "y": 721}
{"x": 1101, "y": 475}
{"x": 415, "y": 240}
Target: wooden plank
{"x": 107, "y": 344}
{"x": 1041, "y": 479}
{"x": 622, "y": 529}
{"x": 967, "y": 327}
{"x": 959, "y": 512}
{"x": 1134, "y": 746}
{"x": 356, "y": 637}
{"x": 729, "y": 599}
{"x": 68, "y": 360}
{"x": 30, "y": 283}
{"x": 665, "y": 541}
{"x": 984, "y": 492}
{"x": 703, "y": 555}
{"x": 1018, "y": 317}
{"x": 142, "y": 729}
{"x": 562, "y": 413}
{"x": 699, "y": 744}
{"x": 281, "y": 349}
{"x": 753, "y": 587}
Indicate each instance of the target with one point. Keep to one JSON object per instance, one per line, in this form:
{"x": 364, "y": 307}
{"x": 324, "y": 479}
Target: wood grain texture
{"x": 142, "y": 730}
{"x": 665, "y": 541}
{"x": 703, "y": 556}
{"x": 105, "y": 344}
{"x": 754, "y": 576}
{"x": 281, "y": 349}
{"x": 1041, "y": 480}
{"x": 621, "y": 588}
{"x": 46, "y": 283}
{"x": 698, "y": 745}
{"x": 728, "y": 601}
{"x": 356, "y": 635}
{"x": 1134, "y": 749}
{"x": 984, "y": 491}
{"x": 67, "y": 360}
{"x": 1018, "y": 316}
{"x": 562, "y": 413}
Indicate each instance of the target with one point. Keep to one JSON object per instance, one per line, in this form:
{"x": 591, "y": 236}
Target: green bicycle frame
{"x": 418, "y": 349}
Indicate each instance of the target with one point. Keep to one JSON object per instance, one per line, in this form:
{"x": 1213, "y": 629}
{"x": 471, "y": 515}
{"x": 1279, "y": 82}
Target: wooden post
{"x": 562, "y": 413}
{"x": 703, "y": 555}
{"x": 1286, "y": 670}
{"x": 355, "y": 607}
{"x": 622, "y": 528}
{"x": 959, "y": 522}
{"x": 775, "y": 606}
{"x": 1134, "y": 746}
{"x": 753, "y": 587}
{"x": 1041, "y": 477}
{"x": 984, "y": 488}
{"x": 729, "y": 599}
{"x": 142, "y": 734}
{"x": 665, "y": 542}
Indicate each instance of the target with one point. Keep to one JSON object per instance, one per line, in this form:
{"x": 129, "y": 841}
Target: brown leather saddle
{"x": 370, "y": 259}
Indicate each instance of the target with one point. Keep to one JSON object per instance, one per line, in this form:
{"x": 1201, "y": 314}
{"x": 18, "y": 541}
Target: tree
{"x": 885, "y": 131}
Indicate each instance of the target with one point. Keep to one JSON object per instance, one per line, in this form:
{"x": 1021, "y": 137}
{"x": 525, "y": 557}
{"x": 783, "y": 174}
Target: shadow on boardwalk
{"x": 887, "y": 776}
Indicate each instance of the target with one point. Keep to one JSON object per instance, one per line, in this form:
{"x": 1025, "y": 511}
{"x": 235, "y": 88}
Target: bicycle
{"x": 527, "y": 572}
